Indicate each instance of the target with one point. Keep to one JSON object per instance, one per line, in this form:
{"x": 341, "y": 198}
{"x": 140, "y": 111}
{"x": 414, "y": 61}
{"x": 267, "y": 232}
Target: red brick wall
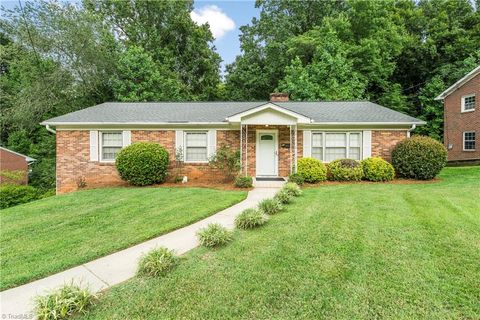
{"x": 13, "y": 162}
{"x": 383, "y": 142}
{"x": 457, "y": 122}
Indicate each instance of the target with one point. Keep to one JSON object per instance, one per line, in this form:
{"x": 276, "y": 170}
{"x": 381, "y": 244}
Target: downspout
{"x": 50, "y": 129}
{"x": 411, "y": 129}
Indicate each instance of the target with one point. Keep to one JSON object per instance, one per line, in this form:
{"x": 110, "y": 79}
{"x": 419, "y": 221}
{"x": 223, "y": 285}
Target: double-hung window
{"x": 329, "y": 146}
{"x": 469, "y": 141}
{"x": 468, "y": 103}
{"x": 196, "y": 147}
{"x": 111, "y": 143}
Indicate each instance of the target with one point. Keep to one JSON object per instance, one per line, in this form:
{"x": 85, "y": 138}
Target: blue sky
{"x": 239, "y": 12}
{"x": 225, "y": 18}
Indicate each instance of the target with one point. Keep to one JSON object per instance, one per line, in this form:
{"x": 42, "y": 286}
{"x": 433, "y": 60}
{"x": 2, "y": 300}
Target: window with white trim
{"x": 468, "y": 103}
{"x": 196, "y": 146}
{"x": 111, "y": 143}
{"x": 329, "y": 146}
{"x": 469, "y": 141}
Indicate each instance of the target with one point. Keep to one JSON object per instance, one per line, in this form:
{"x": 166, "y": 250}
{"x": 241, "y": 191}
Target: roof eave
{"x": 458, "y": 84}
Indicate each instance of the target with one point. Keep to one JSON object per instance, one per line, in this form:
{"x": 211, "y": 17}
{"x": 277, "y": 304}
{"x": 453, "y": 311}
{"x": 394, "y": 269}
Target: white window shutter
{"x": 307, "y": 143}
{"x": 212, "y": 142}
{"x": 179, "y": 142}
{"x": 93, "y": 145}
{"x": 127, "y": 138}
{"x": 367, "y": 144}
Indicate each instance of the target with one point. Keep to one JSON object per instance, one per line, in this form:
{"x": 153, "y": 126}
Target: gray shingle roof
{"x": 183, "y": 112}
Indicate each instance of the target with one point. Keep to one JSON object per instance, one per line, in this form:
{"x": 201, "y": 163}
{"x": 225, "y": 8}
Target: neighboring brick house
{"x": 11, "y": 161}
{"x": 270, "y": 135}
{"x": 462, "y": 118}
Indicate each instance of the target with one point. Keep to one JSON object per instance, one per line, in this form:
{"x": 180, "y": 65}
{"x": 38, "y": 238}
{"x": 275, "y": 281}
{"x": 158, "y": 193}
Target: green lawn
{"x": 50, "y": 235}
{"x": 350, "y": 251}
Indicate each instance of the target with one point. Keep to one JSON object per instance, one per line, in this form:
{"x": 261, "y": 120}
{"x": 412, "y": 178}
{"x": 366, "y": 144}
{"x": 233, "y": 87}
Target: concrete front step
{"x": 268, "y": 184}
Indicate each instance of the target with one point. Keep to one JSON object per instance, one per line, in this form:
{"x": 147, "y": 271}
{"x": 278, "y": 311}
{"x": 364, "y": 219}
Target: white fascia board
{"x": 458, "y": 84}
{"x": 236, "y": 118}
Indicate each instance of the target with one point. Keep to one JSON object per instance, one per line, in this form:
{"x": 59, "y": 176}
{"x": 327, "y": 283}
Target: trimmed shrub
{"x": 293, "y": 189}
{"x": 312, "y": 170}
{"x": 214, "y": 235}
{"x": 419, "y": 158}
{"x": 250, "y": 218}
{"x": 11, "y": 195}
{"x": 63, "y": 303}
{"x": 377, "y": 169}
{"x": 283, "y": 197}
{"x": 270, "y": 206}
{"x": 244, "y": 182}
{"x": 345, "y": 170}
{"x": 143, "y": 163}
{"x": 296, "y": 178}
{"x": 157, "y": 262}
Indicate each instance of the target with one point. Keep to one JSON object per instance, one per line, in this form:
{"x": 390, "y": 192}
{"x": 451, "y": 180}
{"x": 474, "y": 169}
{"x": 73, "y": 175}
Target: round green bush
{"x": 419, "y": 158}
{"x": 377, "y": 169}
{"x": 157, "y": 262}
{"x": 312, "y": 170}
{"x": 214, "y": 235}
{"x": 296, "y": 178}
{"x": 244, "y": 182}
{"x": 143, "y": 163}
{"x": 250, "y": 218}
{"x": 345, "y": 170}
{"x": 270, "y": 206}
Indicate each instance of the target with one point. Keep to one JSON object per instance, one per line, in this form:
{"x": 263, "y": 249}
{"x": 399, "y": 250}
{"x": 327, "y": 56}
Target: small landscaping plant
{"x": 377, "y": 169}
{"x": 143, "y": 163}
{"x": 283, "y": 197}
{"x": 157, "y": 262}
{"x": 296, "y": 178}
{"x": 345, "y": 170}
{"x": 64, "y": 303}
{"x": 227, "y": 160}
{"x": 293, "y": 189}
{"x": 419, "y": 158}
{"x": 270, "y": 206}
{"x": 244, "y": 182}
{"x": 250, "y": 218}
{"x": 214, "y": 235}
{"x": 12, "y": 195}
{"x": 312, "y": 170}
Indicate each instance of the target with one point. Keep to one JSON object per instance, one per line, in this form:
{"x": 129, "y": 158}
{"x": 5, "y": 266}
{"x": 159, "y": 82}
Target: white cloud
{"x": 219, "y": 22}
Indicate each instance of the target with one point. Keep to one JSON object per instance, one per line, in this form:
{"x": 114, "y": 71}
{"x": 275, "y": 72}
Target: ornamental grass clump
{"x": 214, "y": 235}
{"x": 345, "y": 170}
{"x": 68, "y": 301}
{"x": 419, "y": 158}
{"x": 293, "y": 189}
{"x": 377, "y": 169}
{"x": 157, "y": 262}
{"x": 270, "y": 206}
{"x": 250, "y": 218}
{"x": 283, "y": 197}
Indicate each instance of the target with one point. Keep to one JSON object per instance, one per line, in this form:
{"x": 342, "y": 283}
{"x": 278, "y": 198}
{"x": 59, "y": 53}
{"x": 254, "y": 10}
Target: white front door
{"x": 267, "y": 151}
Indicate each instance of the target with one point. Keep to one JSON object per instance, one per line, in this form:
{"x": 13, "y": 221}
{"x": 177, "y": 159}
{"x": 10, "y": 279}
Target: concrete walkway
{"x": 122, "y": 265}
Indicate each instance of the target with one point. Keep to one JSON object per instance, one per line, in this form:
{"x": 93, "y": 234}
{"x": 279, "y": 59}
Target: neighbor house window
{"x": 328, "y": 146}
{"x": 468, "y": 103}
{"x": 196, "y": 147}
{"x": 111, "y": 142}
{"x": 469, "y": 141}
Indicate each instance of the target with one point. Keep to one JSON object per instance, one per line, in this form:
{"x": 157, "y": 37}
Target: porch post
{"x": 293, "y": 148}
{"x": 244, "y": 148}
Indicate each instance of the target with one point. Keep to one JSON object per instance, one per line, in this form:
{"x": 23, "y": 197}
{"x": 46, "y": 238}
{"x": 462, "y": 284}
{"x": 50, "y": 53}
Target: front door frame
{"x": 257, "y": 153}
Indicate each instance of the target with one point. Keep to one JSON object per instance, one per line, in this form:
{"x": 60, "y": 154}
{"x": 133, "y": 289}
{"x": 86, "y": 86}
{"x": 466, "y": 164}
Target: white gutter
{"x": 50, "y": 129}
{"x": 411, "y": 129}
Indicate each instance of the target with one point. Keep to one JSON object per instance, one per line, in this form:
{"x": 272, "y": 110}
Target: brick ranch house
{"x": 270, "y": 135}
{"x": 462, "y": 118}
{"x": 11, "y": 161}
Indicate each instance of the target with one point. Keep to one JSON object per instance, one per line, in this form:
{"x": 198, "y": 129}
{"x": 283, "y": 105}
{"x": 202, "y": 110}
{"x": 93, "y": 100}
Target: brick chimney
{"x": 279, "y": 97}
